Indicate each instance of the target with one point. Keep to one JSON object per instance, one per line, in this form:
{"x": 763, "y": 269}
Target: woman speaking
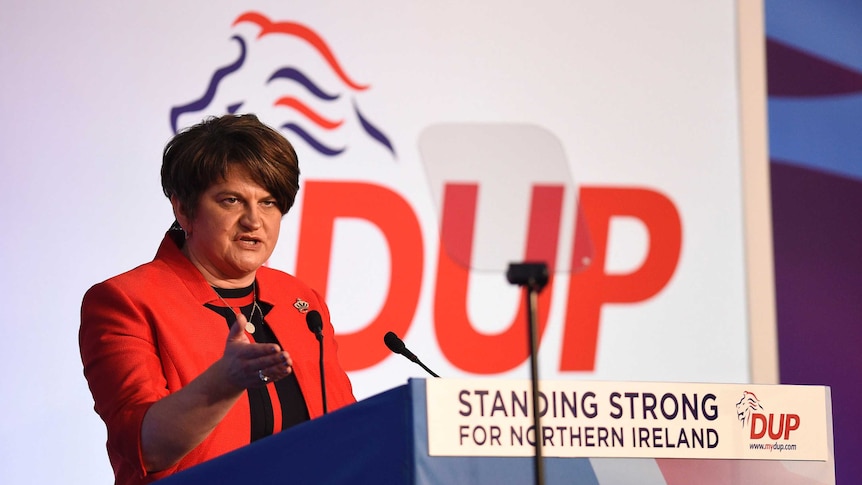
{"x": 204, "y": 349}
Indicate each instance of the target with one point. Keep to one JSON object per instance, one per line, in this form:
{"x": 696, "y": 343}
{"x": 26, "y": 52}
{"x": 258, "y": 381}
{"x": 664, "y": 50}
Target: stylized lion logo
{"x": 746, "y": 406}
{"x": 293, "y": 96}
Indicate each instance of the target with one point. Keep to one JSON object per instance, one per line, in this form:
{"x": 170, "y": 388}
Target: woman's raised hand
{"x": 249, "y": 364}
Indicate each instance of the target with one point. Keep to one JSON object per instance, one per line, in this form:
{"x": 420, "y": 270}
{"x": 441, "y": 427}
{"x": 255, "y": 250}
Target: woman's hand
{"x": 248, "y": 364}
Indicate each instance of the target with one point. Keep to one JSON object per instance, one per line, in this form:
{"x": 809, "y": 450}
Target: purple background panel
{"x": 814, "y": 66}
{"x": 817, "y": 223}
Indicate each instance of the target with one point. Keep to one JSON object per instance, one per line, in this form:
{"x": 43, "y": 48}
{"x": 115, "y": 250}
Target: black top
{"x": 290, "y": 400}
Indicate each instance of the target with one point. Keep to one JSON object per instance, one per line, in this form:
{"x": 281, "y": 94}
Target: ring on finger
{"x": 263, "y": 377}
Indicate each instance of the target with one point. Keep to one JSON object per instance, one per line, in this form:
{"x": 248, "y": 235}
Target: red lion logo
{"x": 748, "y": 404}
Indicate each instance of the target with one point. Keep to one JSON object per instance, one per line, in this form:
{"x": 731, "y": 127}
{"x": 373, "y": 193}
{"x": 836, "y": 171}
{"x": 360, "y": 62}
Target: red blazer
{"x": 146, "y": 333}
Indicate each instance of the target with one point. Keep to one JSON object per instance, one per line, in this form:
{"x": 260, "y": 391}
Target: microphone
{"x": 397, "y": 346}
{"x": 315, "y": 324}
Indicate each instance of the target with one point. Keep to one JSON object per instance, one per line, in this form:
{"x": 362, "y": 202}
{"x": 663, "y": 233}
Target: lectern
{"x": 385, "y": 439}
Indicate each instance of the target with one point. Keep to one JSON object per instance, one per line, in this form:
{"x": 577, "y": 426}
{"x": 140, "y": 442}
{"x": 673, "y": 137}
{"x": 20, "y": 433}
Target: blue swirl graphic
{"x": 208, "y": 96}
{"x": 318, "y": 146}
{"x": 373, "y": 132}
{"x": 296, "y": 75}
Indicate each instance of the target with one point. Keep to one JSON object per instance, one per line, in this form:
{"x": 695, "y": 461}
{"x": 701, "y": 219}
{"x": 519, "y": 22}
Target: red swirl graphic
{"x": 298, "y": 30}
{"x": 309, "y": 113}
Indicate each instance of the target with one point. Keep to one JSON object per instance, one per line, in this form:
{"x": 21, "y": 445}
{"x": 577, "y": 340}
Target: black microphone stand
{"x": 427, "y": 369}
{"x": 533, "y": 277}
{"x": 315, "y": 325}
{"x": 319, "y": 336}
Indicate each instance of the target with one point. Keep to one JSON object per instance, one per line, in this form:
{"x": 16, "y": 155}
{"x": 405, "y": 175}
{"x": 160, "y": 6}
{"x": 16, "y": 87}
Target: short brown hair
{"x": 200, "y": 156}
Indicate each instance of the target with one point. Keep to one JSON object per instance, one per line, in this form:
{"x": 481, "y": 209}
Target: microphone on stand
{"x": 315, "y": 324}
{"x": 397, "y": 346}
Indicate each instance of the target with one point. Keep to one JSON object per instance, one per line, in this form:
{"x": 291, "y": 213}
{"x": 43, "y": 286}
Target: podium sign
{"x": 628, "y": 420}
{"x": 387, "y": 439}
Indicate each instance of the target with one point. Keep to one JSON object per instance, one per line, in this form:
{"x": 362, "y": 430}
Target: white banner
{"x": 628, "y": 420}
{"x": 620, "y": 123}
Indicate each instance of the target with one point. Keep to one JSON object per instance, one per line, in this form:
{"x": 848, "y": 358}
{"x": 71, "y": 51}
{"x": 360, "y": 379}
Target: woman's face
{"x": 234, "y": 231}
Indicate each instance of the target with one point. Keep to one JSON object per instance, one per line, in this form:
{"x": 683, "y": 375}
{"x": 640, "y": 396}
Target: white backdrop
{"x": 638, "y": 94}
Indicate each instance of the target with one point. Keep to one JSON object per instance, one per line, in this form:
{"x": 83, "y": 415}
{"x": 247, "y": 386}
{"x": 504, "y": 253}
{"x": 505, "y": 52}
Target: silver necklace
{"x": 249, "y": 326}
